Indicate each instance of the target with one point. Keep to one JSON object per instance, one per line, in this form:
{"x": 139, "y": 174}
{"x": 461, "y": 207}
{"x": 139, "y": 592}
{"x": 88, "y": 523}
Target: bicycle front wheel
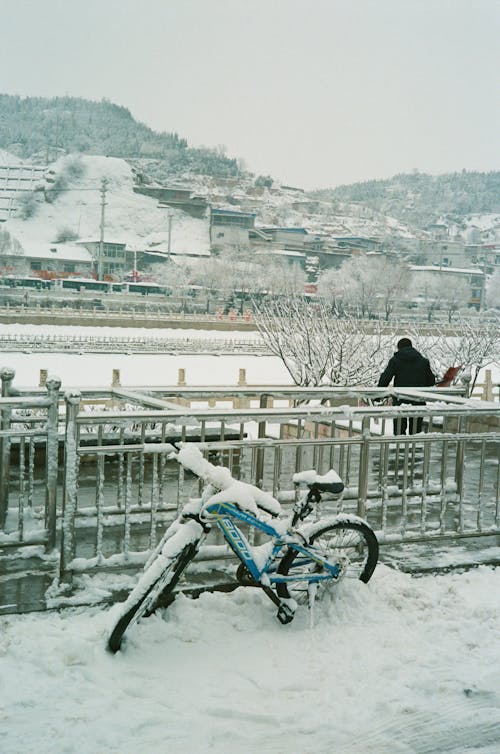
{"x": 352, "y": 544}
{"x": 154, "y": 587}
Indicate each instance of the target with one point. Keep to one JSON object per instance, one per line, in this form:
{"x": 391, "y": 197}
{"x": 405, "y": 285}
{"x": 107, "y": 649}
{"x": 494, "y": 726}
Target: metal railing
{"x": 143, "y": 344}
{"x": 28, "y": 425}
{"x": 106, "y": 486}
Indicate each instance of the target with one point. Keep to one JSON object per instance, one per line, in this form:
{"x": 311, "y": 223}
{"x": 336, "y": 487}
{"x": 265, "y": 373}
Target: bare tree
{"x": 454, "y": 297}
{"x": 493, "y": 290}
{"x": 368, "y": 284}
{"x": 475, "y": 345}
{"x": 392, "y": 280}
{"x": 428, "y": 289}
{"x": 318, "y": 347}
{"x": 357, "y": 286}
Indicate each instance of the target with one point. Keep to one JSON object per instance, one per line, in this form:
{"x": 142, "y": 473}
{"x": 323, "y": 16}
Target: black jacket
{"x": 409, "y": 369}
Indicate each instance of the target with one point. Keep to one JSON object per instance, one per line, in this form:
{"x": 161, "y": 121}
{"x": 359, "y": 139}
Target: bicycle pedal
{"x": 285, "y": 614}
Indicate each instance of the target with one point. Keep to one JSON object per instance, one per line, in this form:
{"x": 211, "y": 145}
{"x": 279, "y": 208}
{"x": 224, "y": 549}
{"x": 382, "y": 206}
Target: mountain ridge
{"x": 42, "y": 129}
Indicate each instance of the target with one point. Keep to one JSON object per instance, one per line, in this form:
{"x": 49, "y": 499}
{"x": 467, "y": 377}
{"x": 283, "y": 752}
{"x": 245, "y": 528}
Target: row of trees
{"x": 367, "y": 287}
{"x": 235, "y": 271}
{"x": 370, "y": 286}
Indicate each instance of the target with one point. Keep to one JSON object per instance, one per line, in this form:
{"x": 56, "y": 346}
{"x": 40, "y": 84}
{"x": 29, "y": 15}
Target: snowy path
{"x": 403, "y": 665}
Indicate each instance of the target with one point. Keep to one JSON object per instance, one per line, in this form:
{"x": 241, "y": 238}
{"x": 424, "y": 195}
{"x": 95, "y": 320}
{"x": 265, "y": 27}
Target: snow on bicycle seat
{"x": 329, "y": 482}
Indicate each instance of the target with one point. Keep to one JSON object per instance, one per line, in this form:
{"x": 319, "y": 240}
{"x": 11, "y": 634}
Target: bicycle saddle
{"x": 335, "y": 488}
{"x": 329, "y": 482}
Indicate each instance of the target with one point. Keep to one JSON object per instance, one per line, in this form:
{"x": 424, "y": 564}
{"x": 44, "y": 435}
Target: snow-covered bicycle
{"x": 297, "y": 564}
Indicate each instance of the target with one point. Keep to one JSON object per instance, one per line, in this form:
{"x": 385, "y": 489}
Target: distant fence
{"x": 143, "y": 344}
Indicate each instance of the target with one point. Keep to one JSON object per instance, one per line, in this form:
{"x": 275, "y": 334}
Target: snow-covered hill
{"x": 129, "y": 217}
{"x": 74, "y": 210}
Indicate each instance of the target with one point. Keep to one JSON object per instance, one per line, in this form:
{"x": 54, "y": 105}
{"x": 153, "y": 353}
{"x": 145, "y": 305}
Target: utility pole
{"x": 100, "y": 262}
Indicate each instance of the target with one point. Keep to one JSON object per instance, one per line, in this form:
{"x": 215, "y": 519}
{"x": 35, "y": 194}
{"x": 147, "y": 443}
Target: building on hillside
{"x": 17, "y": 181}
{"x": 114, "y": 263}
{"x": 291, "y": 239}
{"x": 119, "y": 260}
{"x": 176, "y": 197}
{"x": 294, "y": 258}
{"x": 298, "y": 245}
{"x": 440, "y": 252}
{"x": 439, "y": 231}
{"x": 486, "y": 256}
{"x": 359, "y": 244}
{"x": 229, "y": 229}
{"x": 447, "y": 277}
{"x": 48, "y": 260}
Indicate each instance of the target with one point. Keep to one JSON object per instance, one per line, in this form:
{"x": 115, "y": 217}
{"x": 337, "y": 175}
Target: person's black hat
{"x": 404, "y": 343}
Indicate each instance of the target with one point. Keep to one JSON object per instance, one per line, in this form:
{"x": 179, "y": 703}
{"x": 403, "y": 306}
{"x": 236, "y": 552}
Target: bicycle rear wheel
{"x": 351, "y": 543}
{"x": 146, "y": 597}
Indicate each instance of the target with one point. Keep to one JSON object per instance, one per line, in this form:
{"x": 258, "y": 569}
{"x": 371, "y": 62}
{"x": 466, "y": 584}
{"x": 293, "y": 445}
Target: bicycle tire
{"x": 148, "y": 599}
{"x": 352, "y": 539}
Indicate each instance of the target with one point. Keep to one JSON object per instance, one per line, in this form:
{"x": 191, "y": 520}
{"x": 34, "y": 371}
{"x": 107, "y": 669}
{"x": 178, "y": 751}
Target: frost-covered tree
{"x": 368, "y": 285}
{"x": 280, "y": 276}
{"x": 318, "y": 347}
{"x": 27, "y": 205}
{"x": 426, "y": 288}
{"x": 232, "y": 271}
{"x": 475, "y": 345}
{"x": 392, "y": 279}
{"x": 9, "y": 244}
{"x": 454, "y": 297}
{"x": 357, "y": 286}
{"x": 493, "y": 290}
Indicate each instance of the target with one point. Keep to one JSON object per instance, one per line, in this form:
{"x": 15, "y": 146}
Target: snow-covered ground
{"x": 89, "y": 369}
{"x": 401, "y": 665}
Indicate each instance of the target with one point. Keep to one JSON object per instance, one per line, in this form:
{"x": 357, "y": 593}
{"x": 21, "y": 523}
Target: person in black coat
{"x": 408, "y": 368}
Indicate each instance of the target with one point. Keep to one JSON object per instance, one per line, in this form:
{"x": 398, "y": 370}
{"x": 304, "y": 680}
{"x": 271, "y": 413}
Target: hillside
{"x": 41, "y": 131}
{"x": 44, "y": 129}
{"x": 74, "y": 211}
{"x": 420, "y": 199}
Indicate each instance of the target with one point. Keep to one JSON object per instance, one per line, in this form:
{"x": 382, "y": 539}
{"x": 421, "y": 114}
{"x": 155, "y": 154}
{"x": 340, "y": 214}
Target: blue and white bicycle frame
{"x": 223, "y": 514}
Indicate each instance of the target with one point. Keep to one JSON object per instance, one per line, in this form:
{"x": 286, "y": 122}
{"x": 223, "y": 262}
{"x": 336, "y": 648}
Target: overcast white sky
{"x": 313, "y": 92}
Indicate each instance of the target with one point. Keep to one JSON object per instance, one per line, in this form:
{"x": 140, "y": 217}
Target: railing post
{"x": 487, "y": 387}
{"x": 70, "y": 484}
{"x": 259, "y": 463}
{"x": 6, "y": 375}
{"x": 53, "y": 385}
{"x": 364, "y": 455}
{"x": 460, "y": 457}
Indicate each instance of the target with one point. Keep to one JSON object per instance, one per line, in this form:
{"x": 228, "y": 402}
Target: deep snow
{"x": 402, "y": 665}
